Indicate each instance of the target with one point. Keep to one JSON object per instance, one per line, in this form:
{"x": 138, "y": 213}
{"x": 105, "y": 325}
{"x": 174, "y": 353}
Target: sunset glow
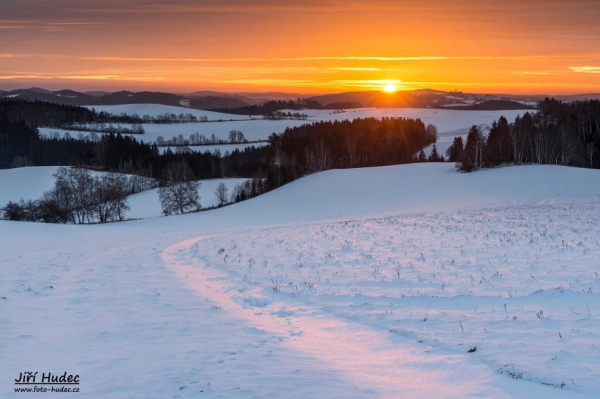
{"x": 390, "y": 88}
{"x": 526, "y": 46}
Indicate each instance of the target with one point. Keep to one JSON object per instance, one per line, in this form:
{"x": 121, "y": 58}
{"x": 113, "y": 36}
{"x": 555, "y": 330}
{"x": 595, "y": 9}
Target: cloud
{"x": 319, "y": 58}
{"x": 585, "y": 69}
{"x": 354, "y": 69}
{"x": 534, "y": 73}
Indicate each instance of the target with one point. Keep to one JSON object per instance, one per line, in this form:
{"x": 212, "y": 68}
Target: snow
{"x": 357, "y": 283}
{"x": 154, "y": 110}
{"x": 27, "y": 183}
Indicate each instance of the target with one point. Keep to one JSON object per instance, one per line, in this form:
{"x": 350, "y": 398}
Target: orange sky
{"x": 509, "y": 46}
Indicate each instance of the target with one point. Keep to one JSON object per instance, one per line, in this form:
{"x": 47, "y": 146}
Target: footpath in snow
{"x": 357, "y": 283}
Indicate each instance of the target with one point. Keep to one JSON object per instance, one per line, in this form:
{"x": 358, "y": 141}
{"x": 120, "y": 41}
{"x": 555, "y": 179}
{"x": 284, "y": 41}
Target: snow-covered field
{"x": 372, "y": 282}
{"x": 450, "y": 123}
{"x": 25, "y": 183}
{"x": 155, "y": 110}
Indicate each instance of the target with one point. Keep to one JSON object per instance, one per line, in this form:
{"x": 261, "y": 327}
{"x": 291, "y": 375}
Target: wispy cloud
{"x": 46, "y": 25}
{"x": 586, "y": 69}
{"x": 534, "y": 73}
{"x": 275, "y": 82}
{"x": 20, "y": 76}
{"x": 354, "y": 69}
{"x": 243, "y": 6}
{"x": 320, "y": 58}
{"x": 83, "y": 77}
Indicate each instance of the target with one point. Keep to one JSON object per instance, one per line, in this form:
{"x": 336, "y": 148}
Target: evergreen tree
{"x": 472, "y": 156}
{"x": 455, "y": 151}
{"x": 435, "y": 156}
{"x": 497, "y": 149}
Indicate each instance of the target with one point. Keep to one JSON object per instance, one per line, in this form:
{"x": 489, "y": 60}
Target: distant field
{"x": 455, "y": 122}
{"x": 158, "y": 110}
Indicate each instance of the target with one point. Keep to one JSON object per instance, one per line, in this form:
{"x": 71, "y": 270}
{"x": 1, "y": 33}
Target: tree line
{"x": 366, "y": 142}
{"x": 102, "y": 127}
{"x": 270, "y": 109}
{"x": 559, "y": 134}
{"x": 234, "y": 137}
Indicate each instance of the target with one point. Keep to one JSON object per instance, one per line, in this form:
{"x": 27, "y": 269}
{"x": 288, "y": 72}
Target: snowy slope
{"x": 356, "y": 283}
{"x": 25, "y": 183}
{"x": 414, "y": 188}
{"x": 158, "y": 110}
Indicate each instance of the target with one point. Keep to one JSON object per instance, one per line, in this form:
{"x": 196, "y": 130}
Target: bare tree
{"x": 110, "y": 197}
{"x": 590, "y": 151}
{"x": 236, "y": 136}
{"x": 73, "y": 191}
{"x": 432, "y": 131}
{"x": 221, "y": 194}
{"x": 180, "y": 192}
{"x": 321, "y": 156}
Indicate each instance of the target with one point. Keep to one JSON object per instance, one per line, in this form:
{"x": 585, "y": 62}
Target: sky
{"x": 305, "y": 46}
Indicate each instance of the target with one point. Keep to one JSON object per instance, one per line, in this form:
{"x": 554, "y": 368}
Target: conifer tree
{"x": 435, "y": 156}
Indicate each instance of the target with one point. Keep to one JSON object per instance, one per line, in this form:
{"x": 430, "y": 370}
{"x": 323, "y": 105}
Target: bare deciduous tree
{"x": 179, "y": 194}
{"x": 221, "y": 194}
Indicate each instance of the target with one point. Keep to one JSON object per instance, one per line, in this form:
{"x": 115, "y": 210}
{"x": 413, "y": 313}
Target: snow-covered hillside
{"x": 25, "y": 183}
{"x": 372, "y": 282}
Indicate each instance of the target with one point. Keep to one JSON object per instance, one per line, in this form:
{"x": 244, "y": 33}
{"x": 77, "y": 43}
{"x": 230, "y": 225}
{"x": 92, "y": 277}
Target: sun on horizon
{"x": 390, "y": 88}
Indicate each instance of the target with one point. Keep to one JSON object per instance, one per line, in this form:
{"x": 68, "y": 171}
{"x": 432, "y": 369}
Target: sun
{"x": 390, "y": 88}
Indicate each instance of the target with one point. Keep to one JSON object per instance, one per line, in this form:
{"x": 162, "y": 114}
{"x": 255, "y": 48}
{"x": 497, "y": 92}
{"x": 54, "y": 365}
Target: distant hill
{"x": 492, "y": 105}
{"x": 578, "y": 97}
{"x": 212, "y": 102}
{"x": 425, "y": 98}
{"x": 207, "y": 100}
{"x": 540, "y": 97}
{"x": 63, "y": 97}
{"x": 144, "y": 97}
{"x": 251, "y": 98}
{"x": 97, "y": 93}
{"x": 70, "y": 97}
